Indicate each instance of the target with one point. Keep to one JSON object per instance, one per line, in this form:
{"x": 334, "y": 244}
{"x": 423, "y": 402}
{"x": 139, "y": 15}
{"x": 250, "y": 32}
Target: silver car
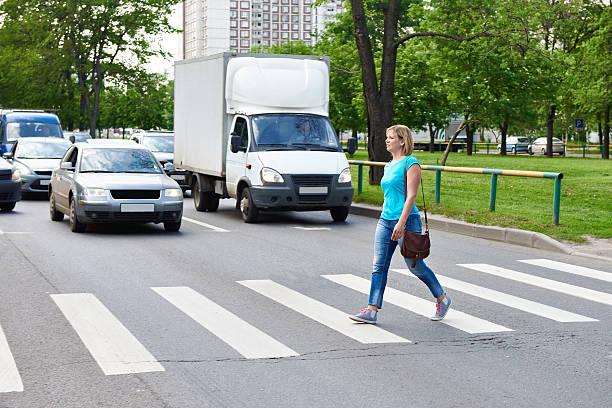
{"x": 105, "y": 183}
{"x": 35, "y": 158}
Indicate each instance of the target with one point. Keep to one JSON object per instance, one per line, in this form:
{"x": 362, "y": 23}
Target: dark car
{"x": 10, "y": 186}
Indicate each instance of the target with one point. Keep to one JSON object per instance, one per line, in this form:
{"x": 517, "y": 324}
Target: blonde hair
{"x": 403, "y": 132}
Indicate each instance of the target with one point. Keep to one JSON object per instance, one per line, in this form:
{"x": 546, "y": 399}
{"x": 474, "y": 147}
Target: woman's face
{"x": 394, "y": 143}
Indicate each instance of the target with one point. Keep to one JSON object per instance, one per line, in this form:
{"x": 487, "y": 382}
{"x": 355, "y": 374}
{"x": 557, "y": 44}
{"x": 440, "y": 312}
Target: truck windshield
{"x": 294, "y": 132}
{"x": 15, "y": 130}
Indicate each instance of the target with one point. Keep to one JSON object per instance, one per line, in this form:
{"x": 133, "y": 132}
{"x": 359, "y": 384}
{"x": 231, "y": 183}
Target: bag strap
{"x": 422, "y": 191}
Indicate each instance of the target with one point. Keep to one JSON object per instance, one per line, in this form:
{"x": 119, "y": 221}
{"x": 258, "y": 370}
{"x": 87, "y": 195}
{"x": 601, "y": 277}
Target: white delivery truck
{"x": 255, "y": 127}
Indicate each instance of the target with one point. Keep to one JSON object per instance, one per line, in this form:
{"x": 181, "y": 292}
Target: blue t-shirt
{"x": 393, "y": 188}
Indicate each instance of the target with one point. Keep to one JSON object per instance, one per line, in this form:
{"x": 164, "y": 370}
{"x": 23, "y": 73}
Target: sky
{"x": 169, "y": 43}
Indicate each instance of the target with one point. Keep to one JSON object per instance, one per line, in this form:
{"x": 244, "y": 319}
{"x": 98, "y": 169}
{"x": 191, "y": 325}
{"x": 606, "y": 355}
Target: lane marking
{"x": 238, "y": 334}
{"x": 10, "y": 380}
{"x": 333, "y": 318}
{"x": 505, "y": 299}
{"x": 313, "y": 228}
{"x": 574, "y": 269}
{"x": 113, "y": 347}
{"x": 203, "y": 224}
{"x": 454, "y": 318}
{"x": 588, "y": 294}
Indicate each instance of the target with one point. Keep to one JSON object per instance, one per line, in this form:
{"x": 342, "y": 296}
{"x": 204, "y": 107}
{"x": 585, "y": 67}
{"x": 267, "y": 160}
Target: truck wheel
{"x": 212, "y": 203}
{"x": 199, "y": 198}
{"x": 339, "y": 214}
{"x": 247, "y": 207}
{"x": 172, "y": 226}
{"x": 7, "y": 207}
{"x": 75, "y": 225}
{"x": 55, "y": 215}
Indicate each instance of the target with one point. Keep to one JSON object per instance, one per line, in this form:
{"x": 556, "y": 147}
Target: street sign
{"x": 579, "y": 123}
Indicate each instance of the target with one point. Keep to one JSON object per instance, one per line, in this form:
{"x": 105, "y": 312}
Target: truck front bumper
{"x": 303, "y": 194}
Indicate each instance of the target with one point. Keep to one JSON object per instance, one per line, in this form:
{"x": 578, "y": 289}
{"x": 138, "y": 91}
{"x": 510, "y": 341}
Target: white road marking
{"x": 313, "y": 228}
{"x": 203, "y": 224}
{"x": 113, "y": 347}
{"x": 576, "y": 270}
{"x": 454, "y": 318}
{"x": 10, "y": 380}
{"x": 505, "y": 299}
{"x": 589, "y": 294}
{"x": 333, "y": 318}
{"x": 238, "y": 334}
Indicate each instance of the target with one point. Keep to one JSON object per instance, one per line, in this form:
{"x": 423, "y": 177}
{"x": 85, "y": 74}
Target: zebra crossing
{"x": 117, "y": 351}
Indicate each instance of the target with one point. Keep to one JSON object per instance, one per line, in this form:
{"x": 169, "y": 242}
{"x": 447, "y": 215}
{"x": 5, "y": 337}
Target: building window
{"x": 284, "y": 36}
{"x": 274, "y": 1}
{"x": 307, "y": 27}
{"x": 284, "y": 17}
{"x": 274, "y": 34}
{"x": 306, "y": 18}
{"x": 266, "y": 25}
{"x": 330, "y": 9}
{"x": 244, "y": 24}
{"x": 244, "y": 43}
{"x": 233, "y": 4}
{"x": 244, "y": 4}
{"x": 285, "y": 9}
{"x": 294, "y": 36}
{"x": 306, "y": 1}
{"x": 295, "y": 2}
{"x": 233, "y": 33}
{"x": 233, "y": 14}
{"x": 295, "y": 27}
{"x": 274, "y": 17}
{"x": 266, "y": 7}
{"x": 266, "y": 16}
{"x": 275, "y": 26}
{"x": 233, "y": 43}
{"x": 266, "y": 34}
{"x": 295, "y": 19}
{"x": 244, "y": 14}
{"x": 275, "y": 9}
{"x": 265, "y": 42}
{"x": 306, "y": 9}
{"x": 244, "y": 34}
{"x": 306, "y": 36}
{"x": 284, "y": 26}
{"x": 295, "y": 9}
{"x": 233, "y": 23}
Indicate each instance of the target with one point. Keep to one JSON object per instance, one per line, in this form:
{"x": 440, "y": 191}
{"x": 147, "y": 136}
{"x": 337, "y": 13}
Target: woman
{"x": 399, "y": 213}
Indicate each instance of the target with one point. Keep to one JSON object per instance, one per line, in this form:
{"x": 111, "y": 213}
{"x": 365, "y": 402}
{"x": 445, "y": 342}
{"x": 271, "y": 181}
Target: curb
{"x": 509, "y": 235}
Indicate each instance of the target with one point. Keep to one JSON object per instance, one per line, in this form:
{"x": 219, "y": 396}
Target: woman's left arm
{"x": 413, "y": 180}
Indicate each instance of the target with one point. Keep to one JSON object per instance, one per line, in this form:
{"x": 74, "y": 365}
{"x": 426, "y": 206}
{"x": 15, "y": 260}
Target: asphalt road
{"x": 228, "y": 314}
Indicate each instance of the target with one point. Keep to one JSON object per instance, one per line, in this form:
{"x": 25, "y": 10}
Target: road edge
{"x": 513, "y": 236}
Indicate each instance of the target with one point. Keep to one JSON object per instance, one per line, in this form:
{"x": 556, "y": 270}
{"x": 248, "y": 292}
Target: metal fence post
{"x": 557, "y": 200}
{"x": 360, "y": 179}
{"x": 583, "y": 150}
{"x": 487, "y": 148}
{"x": 493, "y": 192}
{"x": 438, "y": 176}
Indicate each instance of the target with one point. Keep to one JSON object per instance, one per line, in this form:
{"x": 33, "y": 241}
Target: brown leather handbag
{"x": 415, "y": 245}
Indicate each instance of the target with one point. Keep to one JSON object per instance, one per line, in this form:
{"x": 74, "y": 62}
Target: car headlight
{"x": 23, "y": 169}
{"x": 271, "y": 176}
{"x": 173, "y": 192}
{"x": 345, "y": 176}
{"x": 16, "y": 174}
{"x": 94, "y": 194}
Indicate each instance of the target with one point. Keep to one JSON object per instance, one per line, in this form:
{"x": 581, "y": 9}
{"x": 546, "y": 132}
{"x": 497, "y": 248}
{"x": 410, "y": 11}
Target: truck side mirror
{"x": 235, "y": 144}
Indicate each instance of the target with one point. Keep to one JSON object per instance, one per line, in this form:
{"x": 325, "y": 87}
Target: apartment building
{"x": 212, "y": 26}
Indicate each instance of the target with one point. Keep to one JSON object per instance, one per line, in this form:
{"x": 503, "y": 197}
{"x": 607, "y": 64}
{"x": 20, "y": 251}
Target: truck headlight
{"x": 271, "y": 176}
{"x": 345, "y": 176}
{"x": 173, "y": 192}
{"x": 94, "y": 194}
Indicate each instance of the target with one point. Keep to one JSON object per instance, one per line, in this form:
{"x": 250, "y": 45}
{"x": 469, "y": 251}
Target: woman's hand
{"x": 398, "y": 231}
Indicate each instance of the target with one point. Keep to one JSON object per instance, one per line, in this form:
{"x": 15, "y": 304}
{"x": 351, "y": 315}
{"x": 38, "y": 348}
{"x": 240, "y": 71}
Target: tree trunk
{"x": 469, "y": 133}
{"x": 606, "y": 134}
{"x": 549, "y": 130}
{"x": 504, "y": 133}
{"x": 599, "y": 129}
{"x": 432, "y": 134}
{"x": 452, "y": 139}
{"x": 354, "y": 135}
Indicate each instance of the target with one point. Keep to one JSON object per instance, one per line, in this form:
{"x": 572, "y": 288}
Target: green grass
{"x": 522, "y": 202}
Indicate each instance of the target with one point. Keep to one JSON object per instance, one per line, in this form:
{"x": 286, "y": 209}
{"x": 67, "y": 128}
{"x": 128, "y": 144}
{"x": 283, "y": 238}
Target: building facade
{"x": 212, "y": 26}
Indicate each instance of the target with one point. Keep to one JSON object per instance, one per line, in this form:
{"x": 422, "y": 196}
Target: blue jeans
{"x": 384, "y": 248}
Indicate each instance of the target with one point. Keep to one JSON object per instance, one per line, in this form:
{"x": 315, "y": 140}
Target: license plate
{"x": 44, "y": 182}
{"x": 179, "y": 178}
{"x": 137, "y": 207}
{"x": 313, "y": 190}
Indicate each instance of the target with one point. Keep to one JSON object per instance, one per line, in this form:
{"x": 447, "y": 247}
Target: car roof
{"x": 28, "y": 116}
{"x": 111, "y": 144}
{"x": 41, "y": 139}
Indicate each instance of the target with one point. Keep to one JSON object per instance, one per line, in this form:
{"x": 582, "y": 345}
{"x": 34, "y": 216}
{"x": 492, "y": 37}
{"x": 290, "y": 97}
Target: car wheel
{"x": 75, "y": 225}
{"x": 172, "y": 226}
{"x": 7, "y": 207}
{"x": 543, "y": 152}
{"x": 55, "y": 215}
{"x": 247, "y": 207}
{"x": 339, "y": 214}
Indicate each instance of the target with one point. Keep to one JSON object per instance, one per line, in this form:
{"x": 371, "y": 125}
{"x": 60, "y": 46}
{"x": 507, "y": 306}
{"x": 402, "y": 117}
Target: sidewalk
{"x": 600, "y": 249}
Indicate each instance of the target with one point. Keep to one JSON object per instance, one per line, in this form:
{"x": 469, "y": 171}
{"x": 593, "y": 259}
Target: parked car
{"x": 102, "y": 183}
{"x": 76, "y": 137}
{"x": 539, "y": 146}
{"x": 515, "y": 144}
{"x": 10, "y": 191}
{"x": 35, "y": 158}
{"x": 15, "y": 124}
{"x": 161, "y": 143}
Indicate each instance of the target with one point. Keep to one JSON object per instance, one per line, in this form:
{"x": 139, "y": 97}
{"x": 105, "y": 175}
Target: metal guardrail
{"x": 493, "y": 172}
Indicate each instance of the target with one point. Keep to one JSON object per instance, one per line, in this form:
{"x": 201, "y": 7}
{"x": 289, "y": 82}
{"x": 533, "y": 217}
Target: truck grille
{"x": 135, "y": 194}
{"x": 311, "y": 181}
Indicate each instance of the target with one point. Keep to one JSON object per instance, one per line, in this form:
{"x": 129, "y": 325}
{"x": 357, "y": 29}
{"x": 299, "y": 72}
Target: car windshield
{"x": 118, "y": 161}
{"x": 161, "y": 144}
{"x": 41, "y": 150}
{"x": 15, "y": 130}
{"x": 294, "y": 132}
